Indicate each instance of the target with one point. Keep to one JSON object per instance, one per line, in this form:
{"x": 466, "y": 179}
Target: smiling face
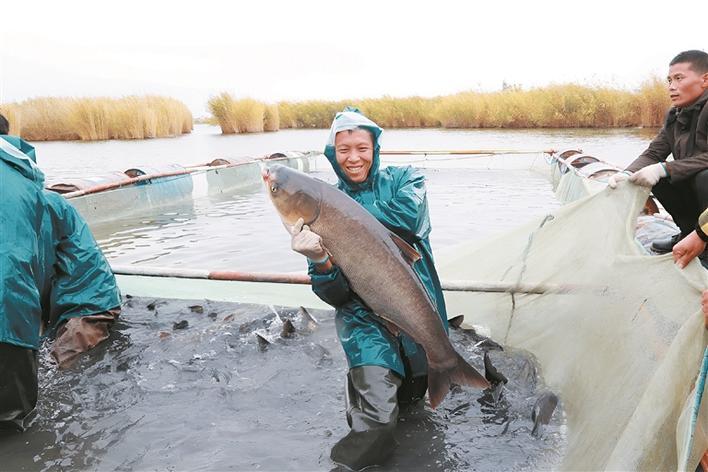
{"x": 685, "y": 85}
{"x": 355, "y": 152}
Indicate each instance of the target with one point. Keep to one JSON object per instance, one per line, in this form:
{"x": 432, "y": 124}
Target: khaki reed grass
{"x": 244, "y": 115}
{"x": 89, "y": 119}
{"x": 553, "y": 106}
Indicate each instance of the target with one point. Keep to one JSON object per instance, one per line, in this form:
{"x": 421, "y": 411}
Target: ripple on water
{"x": 208, "y": 397}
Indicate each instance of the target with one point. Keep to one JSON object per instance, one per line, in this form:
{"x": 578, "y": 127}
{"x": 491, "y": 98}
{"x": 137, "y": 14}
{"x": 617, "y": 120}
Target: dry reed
{"x": 554, "y": 106}
{"x": 245, "y": 115}
{"x": 88, "y": 119}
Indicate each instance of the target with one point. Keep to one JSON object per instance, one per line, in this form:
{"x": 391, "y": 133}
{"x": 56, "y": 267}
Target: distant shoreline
{"x": 568, "y": 106}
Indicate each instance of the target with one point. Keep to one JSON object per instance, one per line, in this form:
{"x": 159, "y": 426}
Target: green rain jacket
{"x": 396, "y": 197}
{"x": 83, "y": 283}
{"x": 71, "y": 277}
{"x": 23, "y": 271}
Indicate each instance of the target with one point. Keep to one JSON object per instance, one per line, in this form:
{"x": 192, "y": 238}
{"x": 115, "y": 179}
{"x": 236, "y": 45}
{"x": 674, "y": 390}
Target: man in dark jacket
{"x": 680, "y": 185}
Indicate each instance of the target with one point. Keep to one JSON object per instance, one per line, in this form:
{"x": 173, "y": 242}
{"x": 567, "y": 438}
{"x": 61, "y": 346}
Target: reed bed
{"x": 554, "y": 106}
{"x": 244, "y": 115}
{"x": 89, "y": 119}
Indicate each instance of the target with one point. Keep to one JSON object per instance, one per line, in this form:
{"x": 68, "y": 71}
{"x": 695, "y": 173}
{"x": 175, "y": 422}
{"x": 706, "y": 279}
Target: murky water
{"x": 65, "y": 159}
{"x": 206, "y": 398}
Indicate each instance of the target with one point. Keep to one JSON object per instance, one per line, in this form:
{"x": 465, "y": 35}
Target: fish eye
{"x": 274, "y": 188}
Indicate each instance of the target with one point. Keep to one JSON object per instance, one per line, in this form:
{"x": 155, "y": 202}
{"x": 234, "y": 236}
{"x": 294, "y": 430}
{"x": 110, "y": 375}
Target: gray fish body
{"x": 378, "y": 272}
{"x": 374, "y": 262}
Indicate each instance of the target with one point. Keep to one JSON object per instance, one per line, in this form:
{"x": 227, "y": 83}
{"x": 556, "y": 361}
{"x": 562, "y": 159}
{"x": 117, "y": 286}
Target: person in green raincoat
{"x": 386, "y": 371}
{"x": 54, "y": 279}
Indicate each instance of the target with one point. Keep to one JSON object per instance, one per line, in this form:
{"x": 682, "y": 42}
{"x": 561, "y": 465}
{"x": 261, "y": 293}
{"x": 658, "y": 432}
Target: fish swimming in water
{"x": 372, "y": 257}
{"x": 542, "y": 411}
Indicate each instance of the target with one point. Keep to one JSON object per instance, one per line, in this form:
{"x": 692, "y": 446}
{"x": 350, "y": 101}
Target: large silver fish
{"x": 378, "y": 266}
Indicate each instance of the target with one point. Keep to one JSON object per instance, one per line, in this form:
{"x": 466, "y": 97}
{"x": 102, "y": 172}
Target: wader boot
{"x": 18, "y": 386}
{"x": 372, "y": 412}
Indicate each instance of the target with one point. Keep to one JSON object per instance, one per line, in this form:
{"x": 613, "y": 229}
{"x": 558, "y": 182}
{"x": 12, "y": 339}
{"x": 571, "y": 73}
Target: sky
{"x": 299, "y": 50}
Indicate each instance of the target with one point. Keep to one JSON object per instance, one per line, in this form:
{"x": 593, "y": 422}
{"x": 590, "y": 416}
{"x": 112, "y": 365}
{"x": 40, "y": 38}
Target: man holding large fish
{"x": 372, "y": 261}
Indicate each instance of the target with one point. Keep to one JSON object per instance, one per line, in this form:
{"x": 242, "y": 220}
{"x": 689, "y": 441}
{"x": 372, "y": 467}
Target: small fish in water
{"x": 260, "y": 323}
{"x": 288, "y": 329}
{"x": 479, "y": 341}
{"x": 319, "y": 353}
{"x": 309, "y": 323}
{"x": 456, "y": 322}
{"x": 493, "y": 394}
{"x": 263, "y": 343}
{"x": 154, "y": 304}
{"x": 183, "y": 324}
{"x": 542, "y": 411}
{"x": 196, "y": 309}
{"x": 491, "y": 373}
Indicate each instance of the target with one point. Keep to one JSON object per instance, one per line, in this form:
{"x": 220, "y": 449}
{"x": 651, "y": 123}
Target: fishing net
{"x": 619, "y": 333}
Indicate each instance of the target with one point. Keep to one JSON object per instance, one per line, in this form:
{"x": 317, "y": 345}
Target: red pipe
{"x": 301, "y": 279}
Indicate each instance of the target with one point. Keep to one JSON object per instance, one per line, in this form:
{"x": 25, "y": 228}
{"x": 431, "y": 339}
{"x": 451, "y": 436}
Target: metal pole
{"x": 465, "y": 152}
{"x": 303, "y": 279}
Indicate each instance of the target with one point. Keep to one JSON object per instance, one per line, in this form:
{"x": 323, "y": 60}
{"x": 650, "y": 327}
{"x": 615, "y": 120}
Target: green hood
{"x": 20, "y": 154}
{"x": 351, "y": 118}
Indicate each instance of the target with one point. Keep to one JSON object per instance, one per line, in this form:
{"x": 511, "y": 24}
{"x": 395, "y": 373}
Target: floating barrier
{"x": 139, "y": 189}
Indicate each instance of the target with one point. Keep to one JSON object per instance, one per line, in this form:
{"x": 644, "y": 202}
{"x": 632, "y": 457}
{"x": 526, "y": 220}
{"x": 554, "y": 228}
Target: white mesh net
{"x": 623, "y": 347}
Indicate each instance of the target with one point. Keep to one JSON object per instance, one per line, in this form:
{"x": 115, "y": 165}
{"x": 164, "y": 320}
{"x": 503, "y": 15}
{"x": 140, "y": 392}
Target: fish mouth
{"x": 265, "y": 173}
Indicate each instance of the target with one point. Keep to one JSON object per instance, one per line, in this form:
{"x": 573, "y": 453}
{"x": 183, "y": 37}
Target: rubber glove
{"x": 648, "y": 176}
{"x": 307, "y": 243}
{"x": 687, "y": 249}
{"x": 80, "y": 334}
{"x": 617, "y": 178}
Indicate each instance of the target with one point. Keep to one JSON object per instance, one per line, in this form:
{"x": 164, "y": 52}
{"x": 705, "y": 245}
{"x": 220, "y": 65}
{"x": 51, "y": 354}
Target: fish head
{"x": 294, "y": 194}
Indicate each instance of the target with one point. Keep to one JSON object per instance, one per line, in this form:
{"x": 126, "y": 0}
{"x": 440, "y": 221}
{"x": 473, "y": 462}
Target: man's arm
{"x": 328, "y": 281}
{"x": 84, "y": 298}
{"x": 686, "y": 167}
{"x": 694, "y": 244}
{"x": 329, "y": 284}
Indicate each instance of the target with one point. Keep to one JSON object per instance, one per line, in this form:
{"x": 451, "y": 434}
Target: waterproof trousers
{"x": 373, "y": 395}
{"x": 18, "y": 386}
{"x": 684, "y": 200}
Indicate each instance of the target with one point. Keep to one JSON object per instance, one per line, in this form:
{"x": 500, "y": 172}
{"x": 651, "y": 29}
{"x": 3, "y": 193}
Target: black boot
{"x": 663, "y": 246}
{"x": 372, "y": 412}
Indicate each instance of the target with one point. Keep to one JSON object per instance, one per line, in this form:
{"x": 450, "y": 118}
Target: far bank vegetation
{"x": 91, "y": 119}
{"x": 554, "y": 106}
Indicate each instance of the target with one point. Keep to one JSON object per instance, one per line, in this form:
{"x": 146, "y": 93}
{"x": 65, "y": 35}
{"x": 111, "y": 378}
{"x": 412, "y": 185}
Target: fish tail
{"x": 461, "y": 373}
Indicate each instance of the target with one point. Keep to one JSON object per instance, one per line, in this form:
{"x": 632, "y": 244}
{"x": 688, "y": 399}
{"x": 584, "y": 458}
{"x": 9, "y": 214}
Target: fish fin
{"x": 307, "y": 317}
{"x": 456, "y": 322}
{"x": 461, "y": 373}
{"x": 263, "y": 343}
{"x": 407, "y": 251}
{"x": 491, "y": 373}
{"x": 288, "y": 329}
{"x": 543, "y": 411}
